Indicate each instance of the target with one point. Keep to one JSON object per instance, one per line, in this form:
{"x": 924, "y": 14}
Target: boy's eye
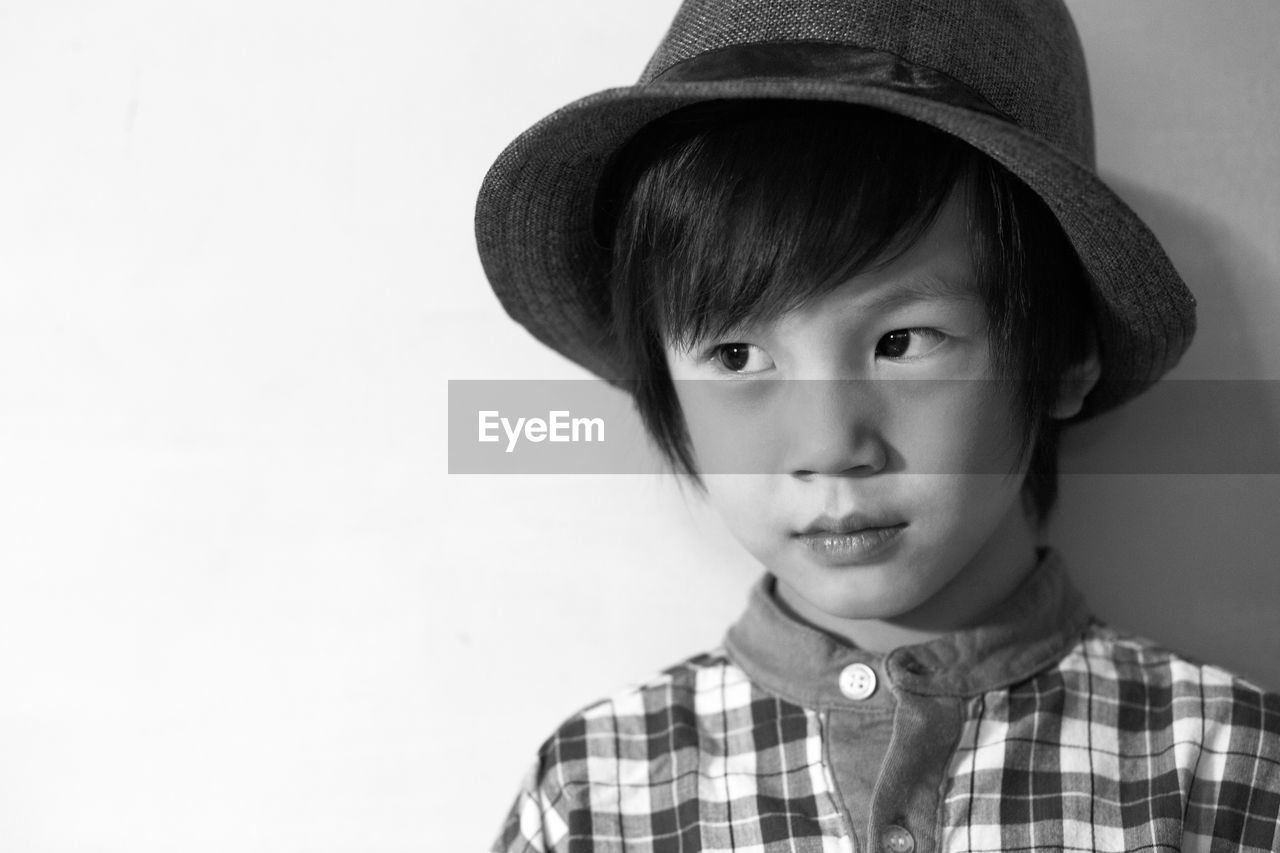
{"x": 741, "y": 358}
{"x": 908, "y": 343}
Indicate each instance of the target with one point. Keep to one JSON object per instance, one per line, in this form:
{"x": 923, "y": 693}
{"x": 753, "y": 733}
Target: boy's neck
{"x": 973, "y": 597}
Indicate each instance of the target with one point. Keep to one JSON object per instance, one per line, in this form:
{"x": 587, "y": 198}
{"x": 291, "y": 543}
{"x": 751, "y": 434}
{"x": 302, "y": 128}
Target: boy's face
{"x": 868, "y": 499}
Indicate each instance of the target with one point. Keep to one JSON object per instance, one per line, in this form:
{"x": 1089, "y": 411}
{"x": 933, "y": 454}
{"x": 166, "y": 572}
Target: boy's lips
{"x": 851, "y": 523}
{"x": 851, "y": 540}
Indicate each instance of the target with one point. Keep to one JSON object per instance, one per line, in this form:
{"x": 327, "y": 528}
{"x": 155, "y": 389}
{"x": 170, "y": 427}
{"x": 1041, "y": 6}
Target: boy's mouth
{"x": 850, "y": 540}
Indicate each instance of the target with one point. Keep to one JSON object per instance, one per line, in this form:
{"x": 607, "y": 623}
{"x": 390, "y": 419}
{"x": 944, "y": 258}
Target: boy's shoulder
{"x": 662, "y": 757}
{"x": 704, "y": 683}
{"x": 1143, "y": 691}
{"x": 705, "y": 708}
{"x": 1113, "y": 656}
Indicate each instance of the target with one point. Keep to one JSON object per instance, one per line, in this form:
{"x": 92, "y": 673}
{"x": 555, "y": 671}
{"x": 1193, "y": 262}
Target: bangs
{"x": 740, "y": 212}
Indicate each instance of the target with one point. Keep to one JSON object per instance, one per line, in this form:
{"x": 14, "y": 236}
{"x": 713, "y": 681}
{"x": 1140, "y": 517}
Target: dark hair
{"x": 730, "y": 211}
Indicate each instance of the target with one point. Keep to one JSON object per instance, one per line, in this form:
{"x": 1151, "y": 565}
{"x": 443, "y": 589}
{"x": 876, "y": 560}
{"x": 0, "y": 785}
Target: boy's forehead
{"x": 938, "y": 266}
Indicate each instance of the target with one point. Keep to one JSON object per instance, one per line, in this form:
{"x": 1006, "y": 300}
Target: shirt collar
{"x": 1035, "y": 627}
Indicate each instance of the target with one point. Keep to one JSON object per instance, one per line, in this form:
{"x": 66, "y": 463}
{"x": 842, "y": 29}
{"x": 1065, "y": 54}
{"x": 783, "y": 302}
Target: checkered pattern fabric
{"x": 1120, "y": 745}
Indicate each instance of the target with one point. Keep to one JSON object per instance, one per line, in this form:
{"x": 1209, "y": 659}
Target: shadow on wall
{"x": 1168, "y": 516}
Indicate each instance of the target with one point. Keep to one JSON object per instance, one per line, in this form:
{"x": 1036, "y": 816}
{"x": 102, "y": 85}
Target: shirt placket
{"x": 888, "y": 749}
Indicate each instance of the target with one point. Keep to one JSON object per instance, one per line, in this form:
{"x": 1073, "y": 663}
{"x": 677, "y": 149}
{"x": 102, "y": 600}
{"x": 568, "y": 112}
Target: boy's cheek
{"x": 733, "y": 434}
{"x": 750, "y": 509}
{"x": 970, "y": 435}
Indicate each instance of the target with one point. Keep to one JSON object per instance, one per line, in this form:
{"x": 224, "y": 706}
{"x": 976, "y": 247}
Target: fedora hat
{"x": 1007, "y": 77}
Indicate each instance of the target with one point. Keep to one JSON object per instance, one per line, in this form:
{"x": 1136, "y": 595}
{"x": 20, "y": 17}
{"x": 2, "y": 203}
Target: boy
{"x": 853, "y": 263}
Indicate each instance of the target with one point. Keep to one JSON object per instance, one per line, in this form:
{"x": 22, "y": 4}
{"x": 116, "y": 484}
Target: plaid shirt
{"x": 1045, "y": 730}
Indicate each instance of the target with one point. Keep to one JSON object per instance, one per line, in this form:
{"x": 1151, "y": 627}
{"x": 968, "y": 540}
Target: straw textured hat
{"x": 1006, "y": 76}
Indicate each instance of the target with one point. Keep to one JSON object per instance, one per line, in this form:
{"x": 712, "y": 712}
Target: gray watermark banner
{"x": 546, "y": 427}
{"x": 576, "y": 427}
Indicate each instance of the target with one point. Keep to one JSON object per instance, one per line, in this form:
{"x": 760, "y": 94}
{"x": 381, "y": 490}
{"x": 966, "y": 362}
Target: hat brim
{"x": 536, "y": 240}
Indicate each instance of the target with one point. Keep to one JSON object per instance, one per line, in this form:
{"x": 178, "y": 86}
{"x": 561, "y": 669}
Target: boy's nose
{"x": 834, "y": 429}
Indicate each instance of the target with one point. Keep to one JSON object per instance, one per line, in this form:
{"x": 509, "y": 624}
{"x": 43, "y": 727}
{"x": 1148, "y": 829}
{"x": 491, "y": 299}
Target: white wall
{"x": 242, "y": 605}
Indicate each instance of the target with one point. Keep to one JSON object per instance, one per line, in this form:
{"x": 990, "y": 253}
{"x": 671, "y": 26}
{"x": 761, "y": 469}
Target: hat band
{"x": 838, "y": 63}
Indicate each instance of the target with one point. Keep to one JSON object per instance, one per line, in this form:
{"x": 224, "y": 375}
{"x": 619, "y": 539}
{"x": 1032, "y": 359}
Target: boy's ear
{"x": 1077, "y": 381}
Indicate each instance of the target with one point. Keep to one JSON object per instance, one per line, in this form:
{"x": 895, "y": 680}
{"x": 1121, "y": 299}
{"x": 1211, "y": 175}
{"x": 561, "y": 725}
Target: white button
{"x": 857, "y": 681}
{"x": 895, "y": 839}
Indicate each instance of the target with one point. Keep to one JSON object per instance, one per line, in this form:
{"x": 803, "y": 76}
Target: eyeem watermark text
{"x": 557, "y": 427}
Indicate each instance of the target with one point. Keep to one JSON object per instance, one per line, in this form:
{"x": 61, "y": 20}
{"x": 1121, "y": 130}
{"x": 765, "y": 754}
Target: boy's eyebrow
{"x": 925, "y": 287}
